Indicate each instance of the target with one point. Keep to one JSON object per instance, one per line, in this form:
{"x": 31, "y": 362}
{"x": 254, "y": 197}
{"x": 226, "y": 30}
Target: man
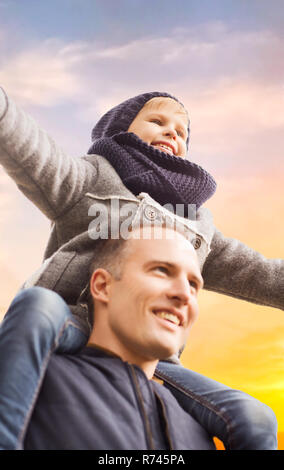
{"x": 144, "y": 292}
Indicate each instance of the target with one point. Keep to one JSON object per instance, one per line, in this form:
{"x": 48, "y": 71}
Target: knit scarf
{"x": 144, "y": 168}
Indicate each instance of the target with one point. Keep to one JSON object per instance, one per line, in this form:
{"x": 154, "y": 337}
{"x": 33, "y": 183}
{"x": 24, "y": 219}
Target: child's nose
{"x": 171, "y": 133}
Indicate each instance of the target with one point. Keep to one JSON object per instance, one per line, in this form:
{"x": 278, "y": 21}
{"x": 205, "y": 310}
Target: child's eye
{"x": 156, "y": 121}
{"x": 180, "y": 134}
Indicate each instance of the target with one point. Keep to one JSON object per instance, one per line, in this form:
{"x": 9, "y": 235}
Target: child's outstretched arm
{"x": 55, "y": 182}
{"x": 51, "y": 179}
{"x": 234, "y": 269}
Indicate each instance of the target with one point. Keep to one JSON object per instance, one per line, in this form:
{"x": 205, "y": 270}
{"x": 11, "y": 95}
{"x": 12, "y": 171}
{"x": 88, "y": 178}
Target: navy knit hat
{"x": 119, "y": 118}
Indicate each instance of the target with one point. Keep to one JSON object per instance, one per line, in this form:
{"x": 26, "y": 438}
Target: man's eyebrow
{"x": 160, "y": 261}
{"x": 196, "y": 278}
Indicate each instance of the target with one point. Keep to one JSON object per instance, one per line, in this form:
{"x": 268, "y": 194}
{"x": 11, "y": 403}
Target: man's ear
{"x": 99, "y": 285}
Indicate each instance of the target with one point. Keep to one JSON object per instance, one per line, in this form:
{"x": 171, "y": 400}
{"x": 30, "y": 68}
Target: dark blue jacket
{"x": 94, "y": 400}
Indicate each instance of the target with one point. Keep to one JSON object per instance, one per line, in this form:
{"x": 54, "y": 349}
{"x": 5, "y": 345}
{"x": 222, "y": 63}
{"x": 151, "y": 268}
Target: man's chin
{"x": 165, "y": 352}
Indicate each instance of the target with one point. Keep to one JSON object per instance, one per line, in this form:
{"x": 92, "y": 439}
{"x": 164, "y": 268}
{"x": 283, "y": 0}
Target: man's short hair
{"x": 109, "y": 255}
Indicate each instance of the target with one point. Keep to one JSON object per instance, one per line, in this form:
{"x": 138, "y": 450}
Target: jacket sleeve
{"x": 51, "y": 179}
{"x": 234, "y": 269}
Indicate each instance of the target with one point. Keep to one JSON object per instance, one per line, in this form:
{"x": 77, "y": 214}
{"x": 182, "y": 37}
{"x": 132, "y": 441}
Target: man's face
{"x": 163, "y": 124}
{"x": 153, "y": 306}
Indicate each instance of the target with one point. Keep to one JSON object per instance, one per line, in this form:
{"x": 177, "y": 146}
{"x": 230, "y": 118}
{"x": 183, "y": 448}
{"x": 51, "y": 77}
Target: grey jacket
{"x": 71, "y": 191}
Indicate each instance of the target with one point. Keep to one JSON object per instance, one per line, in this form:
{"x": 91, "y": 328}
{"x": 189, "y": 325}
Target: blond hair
{"x": 159, "y": 101}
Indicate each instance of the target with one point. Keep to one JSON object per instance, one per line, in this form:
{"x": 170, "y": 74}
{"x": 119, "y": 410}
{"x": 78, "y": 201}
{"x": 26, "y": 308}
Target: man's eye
{"x": 193, "y": 284}
{"x": 162, "y": 269}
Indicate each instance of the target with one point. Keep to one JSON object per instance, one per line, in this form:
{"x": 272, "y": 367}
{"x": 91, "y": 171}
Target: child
{"x": 138, "y": 159}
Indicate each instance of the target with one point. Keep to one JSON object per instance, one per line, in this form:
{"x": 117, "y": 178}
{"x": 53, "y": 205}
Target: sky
{"x": 68, "y": 61}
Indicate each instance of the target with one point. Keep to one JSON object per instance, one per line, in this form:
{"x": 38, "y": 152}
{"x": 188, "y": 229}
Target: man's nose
{"x": 180, "y": 291}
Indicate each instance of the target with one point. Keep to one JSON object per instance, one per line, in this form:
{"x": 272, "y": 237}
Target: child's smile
{"x": 165, "y": 147}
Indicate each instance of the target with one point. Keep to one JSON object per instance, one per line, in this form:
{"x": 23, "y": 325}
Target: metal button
{"x": 196, "y": 242}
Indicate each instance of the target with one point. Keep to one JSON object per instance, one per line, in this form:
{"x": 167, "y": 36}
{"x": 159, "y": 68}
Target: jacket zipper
{"x": 164, "y": 415}
{"x": 141, "y": 403}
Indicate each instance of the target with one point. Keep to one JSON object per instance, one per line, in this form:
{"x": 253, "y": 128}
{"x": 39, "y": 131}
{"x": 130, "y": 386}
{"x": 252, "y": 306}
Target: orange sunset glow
{"x": 235, "y": 342}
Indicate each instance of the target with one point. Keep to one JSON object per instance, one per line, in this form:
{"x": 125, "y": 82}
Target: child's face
{"x": 162, "y": 123}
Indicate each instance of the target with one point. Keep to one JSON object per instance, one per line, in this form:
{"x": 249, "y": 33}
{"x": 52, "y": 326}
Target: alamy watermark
{"x": 114, "y": 220}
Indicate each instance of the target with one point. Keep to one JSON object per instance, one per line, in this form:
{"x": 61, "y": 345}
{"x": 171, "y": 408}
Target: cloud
{"x": 43, "y": 75}
{"x": 194, "y": 59}
{"x": 231, "y": 81}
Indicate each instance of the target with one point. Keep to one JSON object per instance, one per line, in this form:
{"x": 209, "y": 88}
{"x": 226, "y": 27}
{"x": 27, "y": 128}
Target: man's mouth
{"x": 168, "y": 148}
{"x": 169, "y": 316}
